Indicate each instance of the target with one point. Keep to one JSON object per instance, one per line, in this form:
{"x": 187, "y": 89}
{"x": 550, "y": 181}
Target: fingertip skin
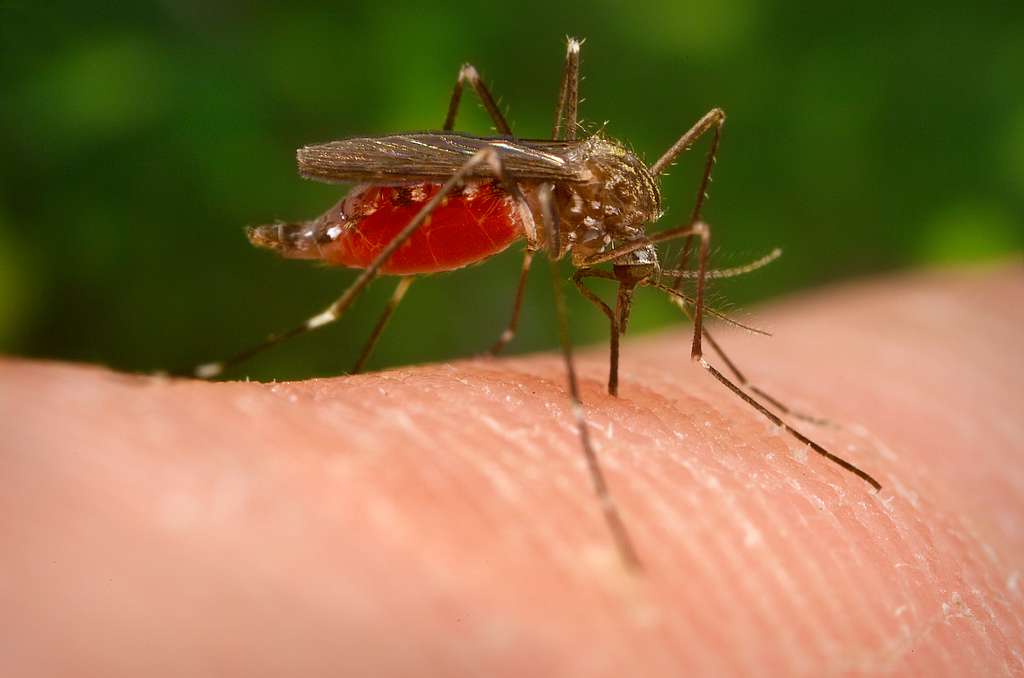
{"x": 440, "y": 516}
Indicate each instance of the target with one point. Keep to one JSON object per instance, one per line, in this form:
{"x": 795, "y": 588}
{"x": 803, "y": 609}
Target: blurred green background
{"x": 137, "y": 141}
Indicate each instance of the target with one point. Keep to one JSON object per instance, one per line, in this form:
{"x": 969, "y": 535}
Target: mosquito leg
{"x": 774, "y": 402}
{"x": 698, "y": 305}
{"x": 713, "y": 118}
{"x": 568, "y": 93}
{"x": 696, "y": 353}
{"x": 468, "y": 73}
{"x": 396, "y": 298}
{"x": 623, "y": 542}
{"x": 863, "y": 475}
{"x": 745, "y": 383}
{"x": 517, "y": 306}
{"x": 615, "y": 331}
{"x": 702, "y": 188}
{"x": 702, "y": 276}
{"x": 485, "y": 156}
{"x": 736, "y": 373}
{"x": 614, "y": 315}
{"x": 565, "y": 119}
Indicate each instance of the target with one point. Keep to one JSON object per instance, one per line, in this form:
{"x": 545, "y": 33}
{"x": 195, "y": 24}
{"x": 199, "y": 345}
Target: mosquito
{"x": 439, "y": 201}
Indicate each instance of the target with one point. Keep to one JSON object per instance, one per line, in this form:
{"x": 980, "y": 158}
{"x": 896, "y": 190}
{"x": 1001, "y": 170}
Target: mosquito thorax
{"x": 612, "y": 207}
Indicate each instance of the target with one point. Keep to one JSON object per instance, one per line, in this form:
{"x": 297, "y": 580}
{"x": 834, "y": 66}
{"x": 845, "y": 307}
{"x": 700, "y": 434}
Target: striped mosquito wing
{"x": 435, "y": 157}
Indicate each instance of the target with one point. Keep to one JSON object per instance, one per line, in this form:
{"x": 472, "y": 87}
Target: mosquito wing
{"x": 435, "y": 157}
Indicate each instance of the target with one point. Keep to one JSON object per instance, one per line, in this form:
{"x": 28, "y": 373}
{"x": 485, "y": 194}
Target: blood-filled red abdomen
{"x": 473, "y": 222}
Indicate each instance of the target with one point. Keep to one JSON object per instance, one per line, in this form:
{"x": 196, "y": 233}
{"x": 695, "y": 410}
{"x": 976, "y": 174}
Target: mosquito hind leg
{"x": 469, "y": 74}
{"x": 568, "y": 93}
{"x": 565, "y": 122}
{"x": 486, "y": 156}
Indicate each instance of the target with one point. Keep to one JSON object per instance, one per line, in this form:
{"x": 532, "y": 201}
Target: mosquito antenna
{"x": 727, "y": 272}
{"x": 680, "y": 299}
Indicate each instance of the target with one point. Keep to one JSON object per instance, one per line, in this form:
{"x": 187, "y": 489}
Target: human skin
{"x": 438, "y": 520}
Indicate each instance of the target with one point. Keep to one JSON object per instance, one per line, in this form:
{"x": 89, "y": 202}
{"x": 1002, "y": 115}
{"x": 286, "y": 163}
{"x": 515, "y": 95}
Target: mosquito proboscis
{"x": 437, "y": 201}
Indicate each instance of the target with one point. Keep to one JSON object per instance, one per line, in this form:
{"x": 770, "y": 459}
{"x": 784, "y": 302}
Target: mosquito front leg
{"x": 488, "y": 156}
{"x": 617, "y": 316}
{"x": 729, "y": 364}
{"x": 610, "y": 510}
{"x": 772, "y": 417}
{"x": 681, "y": 302}
{"x": 715, "y": 118}
{"x": 697, "y": 354}
{"x": 745, "y": 383}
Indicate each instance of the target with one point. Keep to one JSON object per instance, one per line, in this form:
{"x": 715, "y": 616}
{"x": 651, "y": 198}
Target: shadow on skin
{"x": 439, "y": 519}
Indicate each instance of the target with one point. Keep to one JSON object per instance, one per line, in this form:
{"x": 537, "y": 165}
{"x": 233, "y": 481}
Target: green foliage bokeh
{"x": 138, "y": 140}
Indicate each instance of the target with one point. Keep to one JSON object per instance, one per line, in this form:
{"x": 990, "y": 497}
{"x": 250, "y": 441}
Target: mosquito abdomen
{"x": 471, "y": 224}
